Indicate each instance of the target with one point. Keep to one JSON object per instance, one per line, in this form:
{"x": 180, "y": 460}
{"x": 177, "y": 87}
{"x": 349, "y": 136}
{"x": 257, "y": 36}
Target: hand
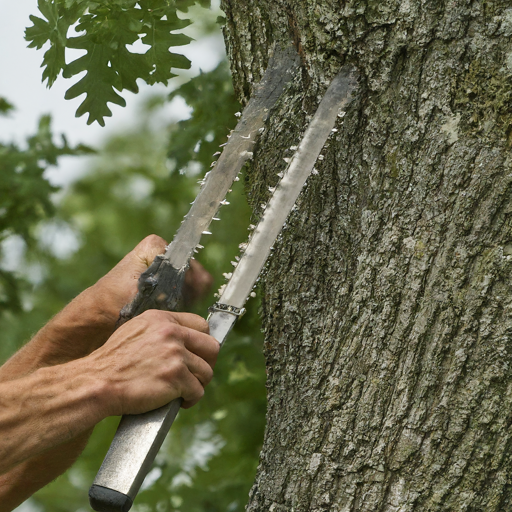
{"x": 149, "y": 361}
{"x": 119, "y": 286}
{"x": 154, "y": 358}
{"x": 88, "y": 321}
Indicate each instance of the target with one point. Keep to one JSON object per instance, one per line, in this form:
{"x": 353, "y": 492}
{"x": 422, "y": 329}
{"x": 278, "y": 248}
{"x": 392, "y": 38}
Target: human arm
{"x": 81, "y": 327}
{"x": 148, "y": 362}
{"x": 89, "y": 319}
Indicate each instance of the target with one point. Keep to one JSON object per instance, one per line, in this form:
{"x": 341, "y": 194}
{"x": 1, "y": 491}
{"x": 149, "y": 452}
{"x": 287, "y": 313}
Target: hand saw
{"x": 139, "y": 437}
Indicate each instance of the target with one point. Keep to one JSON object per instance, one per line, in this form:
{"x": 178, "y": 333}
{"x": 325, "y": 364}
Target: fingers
{"x": 192, "y": 392}
{"x": 119, "y": 286}
{"x": 154, "y": 358}
{"x": 202, "y": 345}
{"x": 196, "y": 338}
{"x": 192, "y": 330}
{"x": 188, "y": 373}
{"x": 149, "y": 248}
{"x": 200, "y": 368}
{"x": 139, "y": 258}
{"x": 192, "y": 321}
{"x": 200, "y": 351}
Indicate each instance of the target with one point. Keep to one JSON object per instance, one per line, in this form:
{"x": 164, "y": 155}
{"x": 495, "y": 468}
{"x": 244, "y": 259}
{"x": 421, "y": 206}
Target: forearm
{"x": 75, "y": 332}
{"x": 47, "y": 408}
{"x": 80, "y": 328}
{"x": 26, "y": 478}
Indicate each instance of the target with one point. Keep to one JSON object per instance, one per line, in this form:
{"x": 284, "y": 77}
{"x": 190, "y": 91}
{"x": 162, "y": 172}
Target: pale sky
{"x": 20, "y": 83}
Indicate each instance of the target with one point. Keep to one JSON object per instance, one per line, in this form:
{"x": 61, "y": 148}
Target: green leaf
{"x": 39, "y": 33}
{"x": 54, "y": 31}
{"x": 160, "y": 38}
{"x": 130, "y": 67}
{"x": 98, "y": 83}
{"x": 109, "y": 65}
{"x": 5, "y": 106}
{"x": 9, "y": 291}
{"x": 108, "y": 28}
{"x": 54, "y": 62}
{"x": 49, "y": 11}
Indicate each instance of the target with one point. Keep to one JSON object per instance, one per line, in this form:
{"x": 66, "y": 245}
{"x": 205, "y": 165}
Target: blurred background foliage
{"x": 55, "y": 243}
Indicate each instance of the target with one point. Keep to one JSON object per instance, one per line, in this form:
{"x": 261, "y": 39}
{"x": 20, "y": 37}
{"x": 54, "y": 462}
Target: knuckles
{"x": 174, "y": 352}
{"x": 208, "y": 375}
{"x": 177, "y": 372}
{"x": 154, "y": 315}
{"x": 171, "y": 332}
{"x": 152, "y": 241}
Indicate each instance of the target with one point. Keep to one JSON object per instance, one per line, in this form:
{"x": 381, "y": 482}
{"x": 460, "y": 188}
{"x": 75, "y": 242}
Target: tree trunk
{"x": 387, "y": 302}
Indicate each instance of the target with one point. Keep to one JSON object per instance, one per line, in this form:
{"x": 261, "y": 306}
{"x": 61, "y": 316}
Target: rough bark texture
{"x": 388, "y": 300}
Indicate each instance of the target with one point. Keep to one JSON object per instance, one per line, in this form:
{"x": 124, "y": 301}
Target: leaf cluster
{"x": 108, "y": 34}
{"x": 25, "y": 193}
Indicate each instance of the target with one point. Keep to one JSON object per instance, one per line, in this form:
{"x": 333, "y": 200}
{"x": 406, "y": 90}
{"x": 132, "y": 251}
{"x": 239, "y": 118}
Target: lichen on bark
{"x": 387, "y": 301}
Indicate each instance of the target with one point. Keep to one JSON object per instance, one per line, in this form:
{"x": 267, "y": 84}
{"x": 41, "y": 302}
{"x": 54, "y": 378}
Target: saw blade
{"x": 160, "y": 285}
{"x": 237, "y": 151}
{"x": 237, "y": 290}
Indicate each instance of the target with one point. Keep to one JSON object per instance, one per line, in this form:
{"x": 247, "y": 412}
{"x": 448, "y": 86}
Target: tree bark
{"x": 387, "y": 303}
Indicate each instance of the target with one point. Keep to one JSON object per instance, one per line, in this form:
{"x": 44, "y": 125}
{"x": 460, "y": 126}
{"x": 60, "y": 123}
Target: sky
{"x": 20, "y": 84}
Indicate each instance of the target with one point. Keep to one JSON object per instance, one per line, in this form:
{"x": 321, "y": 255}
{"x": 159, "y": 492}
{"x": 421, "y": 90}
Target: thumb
{"x": 120, "y": 284}
{"x": 146, "y": 251}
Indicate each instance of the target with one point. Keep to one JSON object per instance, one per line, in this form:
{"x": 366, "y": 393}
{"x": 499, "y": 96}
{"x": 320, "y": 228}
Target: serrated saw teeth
{"x": 284, "y": 195}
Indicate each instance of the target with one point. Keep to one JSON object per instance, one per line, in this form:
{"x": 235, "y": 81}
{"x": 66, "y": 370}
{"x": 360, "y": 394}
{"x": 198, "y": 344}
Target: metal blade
{"x": 139, "y": 437}
{"x": 160, "y": 285}
{"x": 241, "y": 283}
{"x": 238, "y": 150}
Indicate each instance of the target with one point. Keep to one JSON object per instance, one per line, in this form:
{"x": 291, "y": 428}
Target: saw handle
{"x": 129, "y": 458}
{"x": 138, "y": 437}
{"x": 137, "y": 441}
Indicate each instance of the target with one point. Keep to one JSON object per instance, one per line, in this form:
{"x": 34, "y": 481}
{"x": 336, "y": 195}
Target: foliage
{"x": 108, "y": 31}
{"x": 209, "y": 460}
{"x": 5, "y": 107}
{"x": 25, "y": 194}
{"x": 208, "y": 94}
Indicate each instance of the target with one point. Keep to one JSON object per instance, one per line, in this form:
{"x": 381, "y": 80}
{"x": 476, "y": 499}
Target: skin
{"x": 77, "y": 371}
